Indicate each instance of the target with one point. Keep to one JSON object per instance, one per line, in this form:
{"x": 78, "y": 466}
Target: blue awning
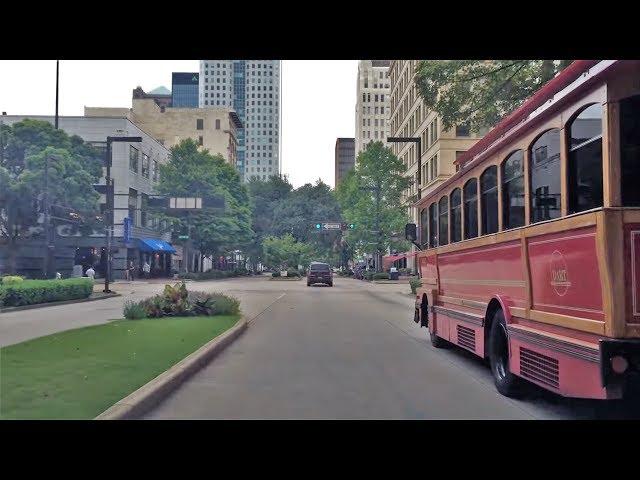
{"x": 152, "y": 245}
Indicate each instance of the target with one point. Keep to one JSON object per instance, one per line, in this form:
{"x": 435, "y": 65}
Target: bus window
{"x": 585, "y": 160}
{"x": 424, "y": 228}
{"x": 443, "y": 230}
{"x": 630, "y": 150}
{"x": 456, "y": 216}
{"x": 471, "y": 209}
{"x": 545, "y": 176}
{"x": 513, "y": 191}
{"x": 433, "y": 225}
{"x": 489, "y": 200}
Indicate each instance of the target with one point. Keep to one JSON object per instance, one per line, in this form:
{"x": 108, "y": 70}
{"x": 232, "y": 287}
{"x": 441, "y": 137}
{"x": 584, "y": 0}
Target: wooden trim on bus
{"x": 632, "y": 330}
{"x": 611, "y": 167}
{"x": 609, "y": 245}
{"x": 500, "y": 207}
{"x": 526, "y": 271}
{"x": 463, "y": 302}
{"x": 568, "y": 321}
{"x": 631, "y": 215}
{"x": 560, "y": 343}
{"x": 564, "y": 165}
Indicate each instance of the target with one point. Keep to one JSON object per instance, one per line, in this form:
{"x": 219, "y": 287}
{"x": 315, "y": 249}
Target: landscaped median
{"x": 15, "y": 292}
{"x": 78, "y": 374}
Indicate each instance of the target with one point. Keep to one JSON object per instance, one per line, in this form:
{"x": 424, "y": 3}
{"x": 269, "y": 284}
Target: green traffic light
{"x": 352, "y": 225}
{"x": 318, "y": 226}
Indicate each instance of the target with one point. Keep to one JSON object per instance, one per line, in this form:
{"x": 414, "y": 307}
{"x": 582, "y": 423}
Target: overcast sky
{"x": 318, "y": 99}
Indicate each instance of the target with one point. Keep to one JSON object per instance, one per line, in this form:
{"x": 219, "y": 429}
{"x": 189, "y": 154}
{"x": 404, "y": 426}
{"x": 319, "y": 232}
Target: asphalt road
{"x": 352, "y": 352}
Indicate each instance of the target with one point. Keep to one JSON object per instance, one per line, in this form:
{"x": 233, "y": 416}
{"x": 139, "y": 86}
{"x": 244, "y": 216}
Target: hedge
{"x": 214, "y": 274}
{"x": 381, "y": 276}
{"x": 30, "y": 292}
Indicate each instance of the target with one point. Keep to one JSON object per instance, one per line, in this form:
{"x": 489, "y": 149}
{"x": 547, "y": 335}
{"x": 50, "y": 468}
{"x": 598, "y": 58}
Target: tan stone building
{"x": 215, "y": 129}
{"x": 372, "y": 103}
{"x": 439, "y": 148}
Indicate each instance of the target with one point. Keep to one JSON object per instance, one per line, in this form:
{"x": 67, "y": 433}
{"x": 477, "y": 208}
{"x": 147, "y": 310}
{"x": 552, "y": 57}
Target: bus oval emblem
{"x": 559, "y": 274}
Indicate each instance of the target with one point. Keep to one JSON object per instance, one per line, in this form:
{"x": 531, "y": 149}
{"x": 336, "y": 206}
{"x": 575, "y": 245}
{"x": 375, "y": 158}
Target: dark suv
{"x": 319, "y": 273}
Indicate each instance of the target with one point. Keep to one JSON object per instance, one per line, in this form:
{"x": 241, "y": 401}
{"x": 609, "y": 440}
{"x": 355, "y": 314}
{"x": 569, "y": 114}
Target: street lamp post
{"x": 418, "y": 141}
{"x": 110, "y": 207}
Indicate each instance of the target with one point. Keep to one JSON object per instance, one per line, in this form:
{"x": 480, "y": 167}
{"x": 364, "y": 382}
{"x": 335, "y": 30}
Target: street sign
{"x": 183, "y": 237}
{"x": 331, "y": 226}
{"x": 127, "y": 230}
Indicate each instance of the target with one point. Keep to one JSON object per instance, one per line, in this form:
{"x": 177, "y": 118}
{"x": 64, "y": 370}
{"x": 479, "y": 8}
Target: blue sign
{"x": 127, "y": 229}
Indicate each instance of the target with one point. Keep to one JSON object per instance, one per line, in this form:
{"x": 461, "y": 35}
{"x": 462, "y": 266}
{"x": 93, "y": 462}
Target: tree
{"x": 196, "y": 173}
{"x": 370, "y": 198}
{"x": 265, "y": 197}
{"x": 74, "y": 167}
{"x": 479, "y": 93}
{"x": 285, "y": 251}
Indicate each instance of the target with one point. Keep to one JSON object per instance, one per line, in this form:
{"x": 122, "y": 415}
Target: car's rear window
{"x": 320, "y": 267}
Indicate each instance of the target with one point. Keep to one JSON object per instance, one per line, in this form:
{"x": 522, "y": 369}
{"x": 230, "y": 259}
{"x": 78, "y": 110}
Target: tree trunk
{"x": 11, "y": 260}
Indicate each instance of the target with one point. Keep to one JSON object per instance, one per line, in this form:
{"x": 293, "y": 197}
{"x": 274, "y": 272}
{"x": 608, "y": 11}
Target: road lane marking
{"x": 265, "y": 309}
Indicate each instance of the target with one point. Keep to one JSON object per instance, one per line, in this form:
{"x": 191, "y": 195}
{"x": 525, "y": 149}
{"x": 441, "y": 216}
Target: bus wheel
{"x": 506, "y": 382}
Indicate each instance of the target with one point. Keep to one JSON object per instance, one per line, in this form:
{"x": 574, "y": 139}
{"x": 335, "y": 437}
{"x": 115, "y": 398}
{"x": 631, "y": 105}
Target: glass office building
{"x": 184, "y": 90}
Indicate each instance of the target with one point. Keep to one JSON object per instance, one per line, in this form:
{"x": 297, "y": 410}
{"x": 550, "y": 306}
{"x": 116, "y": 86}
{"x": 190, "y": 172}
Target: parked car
{"x": 319, "y": 273}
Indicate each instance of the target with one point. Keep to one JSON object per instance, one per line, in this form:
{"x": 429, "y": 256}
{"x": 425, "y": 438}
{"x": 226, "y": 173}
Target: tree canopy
{"x": 479, "y": 93}
{"x": 370, "y": 197}
{"x": 191, "y": 172}
{"x": 74, "y": 167}
{"x": 286, "y": 252}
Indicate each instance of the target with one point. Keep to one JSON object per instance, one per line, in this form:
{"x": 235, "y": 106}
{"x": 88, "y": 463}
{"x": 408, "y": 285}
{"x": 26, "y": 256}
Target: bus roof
{"x": 577, "y": 77}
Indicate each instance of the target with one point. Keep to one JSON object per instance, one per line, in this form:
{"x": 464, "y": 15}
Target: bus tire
{"x": 506, "y": 382}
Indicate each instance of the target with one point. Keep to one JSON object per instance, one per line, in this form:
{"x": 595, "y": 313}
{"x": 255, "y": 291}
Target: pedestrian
{"x": 91, "y": 273}
{"x": 131, "y": 271}
{"x": 146, "y": 268}
{"x": 58, "y": 275}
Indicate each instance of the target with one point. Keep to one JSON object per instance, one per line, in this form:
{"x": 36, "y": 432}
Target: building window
{"x": 217, "y": 124}
{"x": 513, "y": 191}
{"x": 471, "y": 209}
{"x": 433, "y": 225}
{"x": 145, "y": 165}
{"x": 156, "y": 171}
{"x": 200, "y": 140}
{"x": 545, "y": 176}
{"x": 133, "y": 159}
{"x": 585, "y": 160}
{"x": 462, "y": 130}
{"x": 489, "y": 200}
{"x": 199, "y": 124}
{"x": 133, "y": 206}
{"x": 456, "y": 215}
{"x": 443, "y": 229}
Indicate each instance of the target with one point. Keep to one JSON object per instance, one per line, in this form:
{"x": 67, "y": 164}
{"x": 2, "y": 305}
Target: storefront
{"x": 157, "y": 253}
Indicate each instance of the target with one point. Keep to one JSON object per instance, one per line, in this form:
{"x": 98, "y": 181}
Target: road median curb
{"x": 149, "y": 395}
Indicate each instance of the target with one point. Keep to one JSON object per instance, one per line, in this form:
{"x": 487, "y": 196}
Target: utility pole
{"x": 47, "y": 221}
{"x": 57, "y": 77}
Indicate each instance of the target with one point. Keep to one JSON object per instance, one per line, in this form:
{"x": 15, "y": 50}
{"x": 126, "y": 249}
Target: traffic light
{"x": 318, "y": 226}
{"x": 352, "y": 226}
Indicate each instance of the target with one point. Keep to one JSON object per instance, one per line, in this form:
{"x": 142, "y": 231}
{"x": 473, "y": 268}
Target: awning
{"x": 153, "y": 245}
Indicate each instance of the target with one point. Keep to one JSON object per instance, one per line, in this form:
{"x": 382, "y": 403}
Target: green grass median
{"x": 77, "y": 374}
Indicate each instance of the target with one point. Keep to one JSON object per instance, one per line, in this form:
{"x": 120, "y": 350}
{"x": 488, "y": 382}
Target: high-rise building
{"x": 372, "y": 105}
{"x": 409, "y": 117}
{"x": 344, "y": 158}
{"x": 252, "y": 88}
{"x": 184, "y": 89}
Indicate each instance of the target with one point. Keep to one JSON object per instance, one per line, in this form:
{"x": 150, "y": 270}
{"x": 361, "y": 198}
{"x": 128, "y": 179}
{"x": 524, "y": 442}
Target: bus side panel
{"x": 481, "y": 272}
{"x": 565, "y": 277}
{"x": 428, "y": 270}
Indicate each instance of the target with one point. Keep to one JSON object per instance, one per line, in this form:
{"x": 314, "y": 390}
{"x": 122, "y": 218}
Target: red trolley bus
{"x": 531, "y": 251}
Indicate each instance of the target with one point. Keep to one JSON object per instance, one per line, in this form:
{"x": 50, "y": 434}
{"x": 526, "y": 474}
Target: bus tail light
{"x": 619, "y": 364}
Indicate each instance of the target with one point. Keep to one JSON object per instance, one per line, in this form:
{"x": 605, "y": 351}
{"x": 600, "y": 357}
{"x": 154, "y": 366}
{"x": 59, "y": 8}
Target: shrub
{"x": 275, "y": 274}
{"x": 415, "y": 283}
{"x": 7, "y": 279}
{"x": 368, "y": 275}
{"x": 134, "y": 310}
{"x": 381, "y": 276}
{"x": 30, "y": 292}
{"x": 225, "y": 304}
{"x": 293, "y": 273}
{"x": 214, "y": 274}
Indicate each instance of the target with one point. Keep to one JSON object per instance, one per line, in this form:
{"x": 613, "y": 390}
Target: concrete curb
{"x": 284, "y": 279}
{"x": 54, "y": 304}
{"x": 149, "y": 395}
